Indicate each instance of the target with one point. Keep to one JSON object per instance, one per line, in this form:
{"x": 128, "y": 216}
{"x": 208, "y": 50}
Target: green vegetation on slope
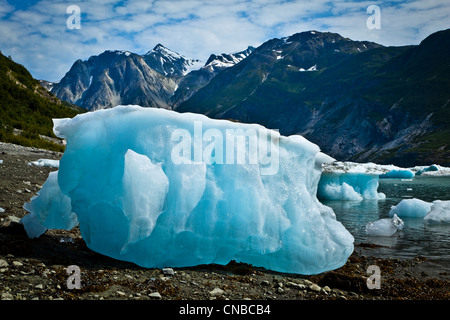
{"x": 25, "y": 105}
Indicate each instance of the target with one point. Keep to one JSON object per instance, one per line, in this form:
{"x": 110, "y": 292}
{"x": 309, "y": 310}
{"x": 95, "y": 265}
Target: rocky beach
{"x": 37, "y": 269}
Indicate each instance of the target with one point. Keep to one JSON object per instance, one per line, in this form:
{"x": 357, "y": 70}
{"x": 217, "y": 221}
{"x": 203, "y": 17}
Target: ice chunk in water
{"x": 384, "y": 227}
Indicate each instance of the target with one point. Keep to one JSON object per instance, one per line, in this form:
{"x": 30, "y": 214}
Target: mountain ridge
{"x": 362, "y": 102}
{"x": 358, "y": 100}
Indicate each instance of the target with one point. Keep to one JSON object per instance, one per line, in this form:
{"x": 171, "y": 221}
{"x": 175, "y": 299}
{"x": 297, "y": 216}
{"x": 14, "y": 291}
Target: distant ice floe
{"x": 350, "y": 181}
{"x": 345, "y": 180}
{"x": 433, "y": 170}
{"x": 45, "y": 163}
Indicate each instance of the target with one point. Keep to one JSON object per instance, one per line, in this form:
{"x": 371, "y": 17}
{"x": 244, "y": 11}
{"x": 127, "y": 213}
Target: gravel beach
{"x": 37, "y": 269}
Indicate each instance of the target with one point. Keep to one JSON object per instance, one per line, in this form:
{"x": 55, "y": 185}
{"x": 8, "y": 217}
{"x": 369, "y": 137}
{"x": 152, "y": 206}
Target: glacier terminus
{"x": 133, "y": 181}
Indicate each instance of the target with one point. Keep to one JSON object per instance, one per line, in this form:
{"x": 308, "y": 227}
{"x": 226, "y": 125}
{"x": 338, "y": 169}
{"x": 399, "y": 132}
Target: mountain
{"x": 170, "y": 63}
{"x": 160, "y": 78}
{"x": 197, "y": 79}
{"x": 112, "y": 78}
{"x": 357, "y": 100}
{"x": 27, "y": 108}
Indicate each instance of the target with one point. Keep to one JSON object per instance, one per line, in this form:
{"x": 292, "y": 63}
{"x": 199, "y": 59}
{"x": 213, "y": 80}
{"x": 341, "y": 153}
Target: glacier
{"x": 164, "y": 189}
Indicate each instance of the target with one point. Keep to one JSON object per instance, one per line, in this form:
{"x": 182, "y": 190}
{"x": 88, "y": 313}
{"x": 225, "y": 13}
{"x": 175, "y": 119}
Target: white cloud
{"x": 39, "y": 38}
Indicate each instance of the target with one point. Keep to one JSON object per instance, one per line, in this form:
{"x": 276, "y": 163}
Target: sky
{"x": 47, "y": 39}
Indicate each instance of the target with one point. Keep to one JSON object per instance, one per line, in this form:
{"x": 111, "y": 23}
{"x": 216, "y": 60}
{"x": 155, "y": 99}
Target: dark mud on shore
{"x": 36, "y": 269}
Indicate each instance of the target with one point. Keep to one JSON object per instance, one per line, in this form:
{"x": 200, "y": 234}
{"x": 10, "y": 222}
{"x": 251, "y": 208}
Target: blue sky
{"x": 35, "y": 32}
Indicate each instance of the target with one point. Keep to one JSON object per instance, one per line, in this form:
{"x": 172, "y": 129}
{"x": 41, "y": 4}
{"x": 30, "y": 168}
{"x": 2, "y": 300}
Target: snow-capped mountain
{"x": 160, "y": 78}
{"x": 170, "y": 63}
{"x": 112, "y": 78}
{"x": 358, "y": 100}
{"x": 197, "y": 79}
{"x": 222, "y": 61}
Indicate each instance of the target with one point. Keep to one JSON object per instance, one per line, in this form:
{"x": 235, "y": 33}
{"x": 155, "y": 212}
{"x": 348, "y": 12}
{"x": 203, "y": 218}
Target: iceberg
{"x": 433, "y": 170}
{"x": 398, "y": 173}
{"x": 412, "y": 208}
{"x": 164, "y": 189}
{"x": 350, "y": 181}
{"x": 439, "y": 213}
{"x": 45, "y": 163}
{"x": 433, "y": 213}
{"x": 384, "y": 227}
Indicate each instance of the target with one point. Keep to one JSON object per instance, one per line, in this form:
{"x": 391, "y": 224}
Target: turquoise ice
{"x": 163, "y": 189}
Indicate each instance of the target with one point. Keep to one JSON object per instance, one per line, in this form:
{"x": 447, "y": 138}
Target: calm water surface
{"x": 415, "y": 239}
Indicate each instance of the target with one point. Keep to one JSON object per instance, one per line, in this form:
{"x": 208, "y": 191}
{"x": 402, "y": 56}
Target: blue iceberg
{"x": 433, "y": 213}
{"x": 398, "y": 174}
{"x": 412, "y": 208}
{"x": 350, "y": 181}
{"x": 161, "y": 189}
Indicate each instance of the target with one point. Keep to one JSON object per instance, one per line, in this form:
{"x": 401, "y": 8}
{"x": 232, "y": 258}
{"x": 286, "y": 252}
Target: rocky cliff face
{"x": 112, "y": 78}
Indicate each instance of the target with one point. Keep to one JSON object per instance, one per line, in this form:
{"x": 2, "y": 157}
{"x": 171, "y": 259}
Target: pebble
{"x": 315, "y": 287}
{"x": 3, "y": 263}
{"x": 7, "y": 296}
{"x": 168, "y": 271}
{"x": 155, "y": 295}
{"x": 216, "y": 292}
{"x": 17, "y": 264}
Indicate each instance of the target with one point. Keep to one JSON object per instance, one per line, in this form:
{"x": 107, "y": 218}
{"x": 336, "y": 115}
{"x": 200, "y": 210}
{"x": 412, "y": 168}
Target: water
{"x": 432, "y": 242}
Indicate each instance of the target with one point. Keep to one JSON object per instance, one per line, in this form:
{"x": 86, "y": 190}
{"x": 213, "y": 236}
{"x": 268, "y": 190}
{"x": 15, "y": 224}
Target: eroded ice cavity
{"x": 350, "y": 181}
{"x": 159, "y": 189}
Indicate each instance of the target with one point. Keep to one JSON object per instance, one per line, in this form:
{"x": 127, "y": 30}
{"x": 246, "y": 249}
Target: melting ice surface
{"x": 140, "y": 193}
{"x": 384, "y": 227}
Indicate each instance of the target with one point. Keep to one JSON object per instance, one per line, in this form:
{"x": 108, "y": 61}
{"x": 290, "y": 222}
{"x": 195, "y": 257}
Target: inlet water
{"x": 416, "y": 239}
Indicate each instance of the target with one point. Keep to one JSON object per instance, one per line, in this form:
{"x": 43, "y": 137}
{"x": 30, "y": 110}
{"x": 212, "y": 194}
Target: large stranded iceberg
{"x": 159, "y": 188}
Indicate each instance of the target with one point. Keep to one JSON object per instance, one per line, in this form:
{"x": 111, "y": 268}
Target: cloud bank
{"x": 35, "y": 32}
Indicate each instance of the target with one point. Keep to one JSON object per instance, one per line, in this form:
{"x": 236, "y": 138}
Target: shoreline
{"x": 36, "y": 269}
